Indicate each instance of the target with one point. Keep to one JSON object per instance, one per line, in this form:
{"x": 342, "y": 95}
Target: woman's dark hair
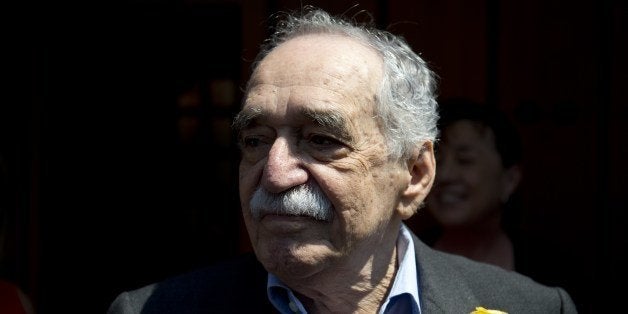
{"x": 507, "y": 143}
{"x": 507, "y": 139}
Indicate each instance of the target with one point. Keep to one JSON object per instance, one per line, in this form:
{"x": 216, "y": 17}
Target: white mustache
{"x": 303, "y": 200}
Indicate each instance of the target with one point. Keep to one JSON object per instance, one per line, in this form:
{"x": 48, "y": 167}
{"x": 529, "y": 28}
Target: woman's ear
{"x": 422, "y": 170}
{"x": 511, "y": 180}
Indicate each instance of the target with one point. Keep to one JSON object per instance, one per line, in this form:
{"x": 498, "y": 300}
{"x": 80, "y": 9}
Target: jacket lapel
{"x": 441, "y": 286}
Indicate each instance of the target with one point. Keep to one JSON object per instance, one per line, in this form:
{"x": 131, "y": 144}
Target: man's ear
{"x": 422, "y": 169}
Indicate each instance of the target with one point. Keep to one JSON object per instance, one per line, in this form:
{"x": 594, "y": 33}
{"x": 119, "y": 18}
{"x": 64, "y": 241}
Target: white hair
{"x": 406, "y": 103}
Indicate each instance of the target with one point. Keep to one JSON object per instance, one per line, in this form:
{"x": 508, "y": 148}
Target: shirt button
{"x": 293, "y": 307}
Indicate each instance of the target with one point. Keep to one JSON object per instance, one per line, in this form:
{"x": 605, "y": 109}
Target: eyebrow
{"x": 330, "y": 120}
{"x": 465, "y": 149}
{"x": 333, "y": 121}
{"x": 245, "y": 118}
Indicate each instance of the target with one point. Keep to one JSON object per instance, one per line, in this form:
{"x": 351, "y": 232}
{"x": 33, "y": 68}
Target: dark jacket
{"x": 447, "y": 284}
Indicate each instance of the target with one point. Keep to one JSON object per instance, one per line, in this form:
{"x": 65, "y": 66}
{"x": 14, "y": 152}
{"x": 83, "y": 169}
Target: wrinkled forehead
{"x": 321, "y": 72}
{"x": 332, "y": 61}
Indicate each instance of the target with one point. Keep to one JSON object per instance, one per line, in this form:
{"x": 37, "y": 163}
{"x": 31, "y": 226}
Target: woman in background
{"x": 478, "y": 169}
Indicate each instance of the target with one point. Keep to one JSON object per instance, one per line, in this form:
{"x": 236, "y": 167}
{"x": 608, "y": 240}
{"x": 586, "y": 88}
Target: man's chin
{"x": 293, "y": 246}
{"x": 291, "y": 263}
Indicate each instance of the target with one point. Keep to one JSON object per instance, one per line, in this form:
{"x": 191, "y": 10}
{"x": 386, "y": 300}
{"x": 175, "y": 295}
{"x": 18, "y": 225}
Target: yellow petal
{"x": 481, "y": 310}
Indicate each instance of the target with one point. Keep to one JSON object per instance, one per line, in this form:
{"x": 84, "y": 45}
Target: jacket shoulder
{"x": 455, "y": 283}
{"x": 231, "y": 286}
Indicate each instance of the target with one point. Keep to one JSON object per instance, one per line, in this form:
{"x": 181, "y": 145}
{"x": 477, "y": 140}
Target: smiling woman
{"x": 478, "y": 169}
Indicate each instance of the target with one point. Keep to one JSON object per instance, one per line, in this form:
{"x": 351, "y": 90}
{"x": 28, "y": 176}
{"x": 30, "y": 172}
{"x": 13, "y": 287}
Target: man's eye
{"x": 323, "y": 140}
{"x": 251, "y": 141}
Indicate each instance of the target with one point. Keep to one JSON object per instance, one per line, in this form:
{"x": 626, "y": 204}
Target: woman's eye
{"x": 466, "y": 160}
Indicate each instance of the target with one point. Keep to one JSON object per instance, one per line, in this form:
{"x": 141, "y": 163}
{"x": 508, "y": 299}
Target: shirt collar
{"x": 404, "y": 287}
{"x": 406, "y": 279}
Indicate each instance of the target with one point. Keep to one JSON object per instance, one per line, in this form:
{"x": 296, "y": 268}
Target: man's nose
{"x": 283, "y": 169}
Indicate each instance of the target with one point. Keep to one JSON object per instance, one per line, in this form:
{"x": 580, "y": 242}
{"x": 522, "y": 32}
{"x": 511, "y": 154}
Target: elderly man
{"x": 336, "y": 132}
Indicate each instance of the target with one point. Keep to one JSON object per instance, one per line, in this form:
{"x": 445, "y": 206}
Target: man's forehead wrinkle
{"x": 275, "y": 85}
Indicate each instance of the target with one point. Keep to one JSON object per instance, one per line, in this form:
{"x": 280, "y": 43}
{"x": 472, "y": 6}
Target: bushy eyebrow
{"x": 333, "y": 121}
{"x": 245, "y": 118}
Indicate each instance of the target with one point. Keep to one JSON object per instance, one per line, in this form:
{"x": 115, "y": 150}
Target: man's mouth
{"x": 284, "y": 224}
{"x": 287, "y": 216}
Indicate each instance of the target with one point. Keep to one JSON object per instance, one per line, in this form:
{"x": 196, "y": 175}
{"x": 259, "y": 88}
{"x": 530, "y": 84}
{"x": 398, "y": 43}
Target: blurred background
{"x": 119, "y": 167}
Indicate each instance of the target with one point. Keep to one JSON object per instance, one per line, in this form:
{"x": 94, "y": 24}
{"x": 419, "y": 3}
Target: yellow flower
{"x": 481, "y": 310}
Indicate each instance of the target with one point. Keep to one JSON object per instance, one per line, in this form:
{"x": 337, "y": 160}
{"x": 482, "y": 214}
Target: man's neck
{"x": 343, "y": 290}
{"x": 359, "y": 294}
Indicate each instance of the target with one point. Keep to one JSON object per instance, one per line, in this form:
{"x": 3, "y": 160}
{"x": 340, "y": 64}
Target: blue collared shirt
{"x": 403, "y": 296}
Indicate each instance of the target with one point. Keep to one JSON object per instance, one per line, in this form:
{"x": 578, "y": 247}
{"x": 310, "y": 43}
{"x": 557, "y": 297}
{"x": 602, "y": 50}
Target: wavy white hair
{"x": 406, "y": 105}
